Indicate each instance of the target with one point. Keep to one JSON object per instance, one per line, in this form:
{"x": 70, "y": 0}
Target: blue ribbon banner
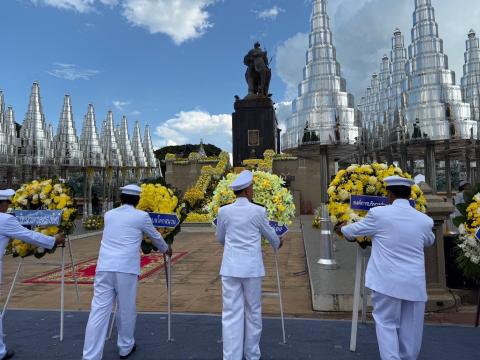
{"x": 477, "y": 234}
{"x": 280, "y": 230}
{"x": 164, "y": 220}
{"x": 39, "y": 217}
{"x": 365, "y": 202}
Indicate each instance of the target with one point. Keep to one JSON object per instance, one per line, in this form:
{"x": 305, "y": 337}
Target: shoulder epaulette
{"x": 253, "y": 202}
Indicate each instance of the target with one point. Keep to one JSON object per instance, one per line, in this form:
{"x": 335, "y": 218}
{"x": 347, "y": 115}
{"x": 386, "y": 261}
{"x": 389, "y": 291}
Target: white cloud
{"x": 191, "y": 126}
{"x": 82, "y": 6}
{"x": 290, "y": 60}
{"x": 271, "y": 13}
{"x": 283, "y": 110}
{"x": 120, "y": 104}
{"x": 72, "y": 72}
{"x": 136, "y": 113}
{"x": 181, "y": 20}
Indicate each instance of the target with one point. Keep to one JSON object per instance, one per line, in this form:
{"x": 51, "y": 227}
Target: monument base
{"x": 254, "y": 128}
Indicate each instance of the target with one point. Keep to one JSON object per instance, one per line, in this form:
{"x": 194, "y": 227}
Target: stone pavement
{"x": 34, "y": 335}
{"x": 196, "y": 283}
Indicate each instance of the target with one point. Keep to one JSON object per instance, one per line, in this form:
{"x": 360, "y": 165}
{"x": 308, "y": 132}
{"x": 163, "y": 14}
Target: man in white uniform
{"x": 396, "y": 269}
{"x": 240, "y": 227}
{"x": 118, "y": 267}
{"x": 10, "y": 228}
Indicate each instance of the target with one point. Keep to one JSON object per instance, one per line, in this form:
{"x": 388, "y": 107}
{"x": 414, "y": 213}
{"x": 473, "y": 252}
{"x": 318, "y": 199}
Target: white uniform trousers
{"x": 3, "y": 347}
{"x": 399, "y": 326}
{"x": 108, "y": 286}
{"x": 241, "y": 317}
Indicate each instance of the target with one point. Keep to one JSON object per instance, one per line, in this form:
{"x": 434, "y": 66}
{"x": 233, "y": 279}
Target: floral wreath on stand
{"x": 363, "y": 180}
{"x": 49, "y": 194}
{"x": 158, "y": 197}
{"x": 269, "y": 191}
{"x": 468, "y": 241}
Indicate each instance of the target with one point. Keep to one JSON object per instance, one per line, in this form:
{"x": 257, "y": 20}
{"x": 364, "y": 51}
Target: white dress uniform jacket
{"x": 10, "y": 228}
{"x": 399, "y": 235}
{"x": 123, "y": 234}
{"x": 240, "y": 227}
{"x": 118, "y": 267}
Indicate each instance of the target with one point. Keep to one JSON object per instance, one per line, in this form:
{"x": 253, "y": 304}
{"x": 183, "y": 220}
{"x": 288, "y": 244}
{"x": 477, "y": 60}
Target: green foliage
{"x": 185, "y": 150}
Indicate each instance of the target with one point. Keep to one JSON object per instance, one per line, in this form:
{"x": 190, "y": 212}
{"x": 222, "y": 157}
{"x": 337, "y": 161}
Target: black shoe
{"x": 125, "y": 356}
{"x": 8, "y": 355}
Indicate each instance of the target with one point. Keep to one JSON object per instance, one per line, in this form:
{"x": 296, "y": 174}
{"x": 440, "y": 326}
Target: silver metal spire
{"x": 396, "y": 103}
{"x": 51, "y": 143}
{"x": 35, "y": 145}
{"x": 113, "y": 157}
{"x": 3, "y": 135}
{"x": 11, "y": 132}
{"x": 125, "y": 145}
{"x": 324, "y": 112}
{"x": 137, "y": 147}
{"x": 148, "y": 148}
{"x": 90, "y": 142}
{"x": 67, "y": 148}
{"x": 471, "y": 75}
{"x": 435, "y": 110}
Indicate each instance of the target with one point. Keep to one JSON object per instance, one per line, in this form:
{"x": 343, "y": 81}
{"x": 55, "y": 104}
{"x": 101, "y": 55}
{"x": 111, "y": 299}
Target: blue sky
{"x": 176, "y": 65}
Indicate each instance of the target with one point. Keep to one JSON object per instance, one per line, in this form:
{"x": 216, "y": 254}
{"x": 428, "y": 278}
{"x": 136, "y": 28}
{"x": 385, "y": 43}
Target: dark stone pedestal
{"x": 254, "y": 128}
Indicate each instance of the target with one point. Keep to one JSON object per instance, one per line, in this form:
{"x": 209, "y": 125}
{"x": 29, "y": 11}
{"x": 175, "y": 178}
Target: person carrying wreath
{"x": 10, "y": 228}
{"x": 240, "y": 227}
{"x": 118, "y": 268}
{"x": 396, "y": 269}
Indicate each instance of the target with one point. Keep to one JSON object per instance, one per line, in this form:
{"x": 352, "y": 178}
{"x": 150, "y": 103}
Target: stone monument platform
{"x": 254, "y": 128}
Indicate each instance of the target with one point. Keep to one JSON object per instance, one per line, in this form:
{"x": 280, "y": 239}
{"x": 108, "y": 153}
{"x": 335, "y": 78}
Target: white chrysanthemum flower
{"x": 477, "y": 197}
{"x": 461, "y": 229}
{"x": 352, "y": 168}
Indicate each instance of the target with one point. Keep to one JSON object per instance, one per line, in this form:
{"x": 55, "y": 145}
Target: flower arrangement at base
{"x": 158, "y": 198}
{"x": 363, "y": 180}
{"x": 94, "y": 222}
{"x": 49, "y": 194}
{"x": 197, "y": 218}
{"x": 468, "y": 245}
{"x": 269, "y": 191}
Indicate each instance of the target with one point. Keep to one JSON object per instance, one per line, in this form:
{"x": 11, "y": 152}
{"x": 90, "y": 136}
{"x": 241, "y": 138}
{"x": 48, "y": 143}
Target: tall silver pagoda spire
{"x": 471, "y": 75}
{"x": 323, "y": 112}
{"x": 3, "y": 135}
{"x": 90, "y": 142}
{"x": 113, "y": 157}
{"x": 35, "y": 145}
{"x": 137, "y": 147}
{"x": 435, "y": 110}
{"x": 11, "y": 132}
{"x": 51, "y": 142}
{"x": 125, "y": 145}
{"x": 67, "y": 148}
{"x": 396, "y": 103}
{"x": 148, "y": 148}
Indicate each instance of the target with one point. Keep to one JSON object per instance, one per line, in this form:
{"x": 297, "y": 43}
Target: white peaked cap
{"x": 131, "y": 190}
{"x": 243, "y": 181}
{"x": 398, "y": 181}
{"x": 6, "y": 194}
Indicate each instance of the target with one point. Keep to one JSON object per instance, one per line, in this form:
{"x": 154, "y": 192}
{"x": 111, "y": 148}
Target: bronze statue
{"x": 258, "y": 73}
